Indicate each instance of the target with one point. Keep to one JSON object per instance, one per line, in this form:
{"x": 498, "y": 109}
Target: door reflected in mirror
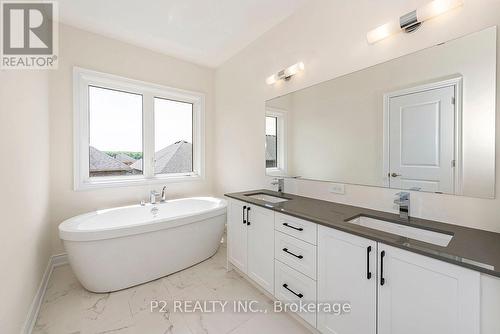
{"x": 425, "y": 121}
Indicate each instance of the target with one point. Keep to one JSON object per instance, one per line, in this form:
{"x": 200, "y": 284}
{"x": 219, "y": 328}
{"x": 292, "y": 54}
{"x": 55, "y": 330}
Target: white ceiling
{"x": 207, "y": 32}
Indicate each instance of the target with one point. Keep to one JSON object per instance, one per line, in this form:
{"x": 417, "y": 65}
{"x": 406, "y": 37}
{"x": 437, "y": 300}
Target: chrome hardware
{"x": 152, "y": 196}
{"x": 143, "y": 203}
{"x": 409, "y": 22}
{"x": 154, "y": 211}
{"x": 395, "y": 175}
{"x": 280, "y": 182}
{"x": 163, "y": 194}
{"x": 403, "y": 201}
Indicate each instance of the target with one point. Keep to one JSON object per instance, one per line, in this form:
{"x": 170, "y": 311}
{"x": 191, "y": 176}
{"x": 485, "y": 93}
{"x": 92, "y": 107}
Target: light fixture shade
{"x": 294, "y": 69}
{"x": 437, "y": 7}
{"x": 285, "y": 74}
{"x": 383, "y": 31}
{"x": 426, "y": 12}
{"x": 271, "y": 80}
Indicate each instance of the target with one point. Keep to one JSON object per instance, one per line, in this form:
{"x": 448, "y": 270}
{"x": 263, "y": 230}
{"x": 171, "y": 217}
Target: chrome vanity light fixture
{"x": 285, "y": 74}
{"x": 412, "y": 20}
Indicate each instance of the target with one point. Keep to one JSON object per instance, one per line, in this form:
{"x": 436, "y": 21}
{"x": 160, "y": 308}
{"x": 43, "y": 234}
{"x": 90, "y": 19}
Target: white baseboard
{"x": 54, "y": 261}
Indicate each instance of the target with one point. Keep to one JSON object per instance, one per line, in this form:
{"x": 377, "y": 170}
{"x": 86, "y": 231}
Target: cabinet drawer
{"x": 299, "y": 228}
{"x": 293, "y": 287}
{"x": 296, "y": 253}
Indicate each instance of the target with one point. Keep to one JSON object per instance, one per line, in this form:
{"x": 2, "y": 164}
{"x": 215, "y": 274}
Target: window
{"x": 276, "y": 141}
{"x": 129, "y": 132}
{"x": 271, "y": 142}
{"x": 173, "y": 137}
{"x": 115, "y": 132}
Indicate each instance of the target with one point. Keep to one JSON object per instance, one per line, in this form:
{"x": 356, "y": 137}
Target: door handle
{"x": 244, "y": 221}
{"x": 248, "y": 215}
{"x": 395, "y": 175}
{"x": 368, "y": 272}
{"x": 295, "y": 293}
{"x": 293, "y": 227}
{"x": 287, "y": 251}
{"x": 382, "y": 279}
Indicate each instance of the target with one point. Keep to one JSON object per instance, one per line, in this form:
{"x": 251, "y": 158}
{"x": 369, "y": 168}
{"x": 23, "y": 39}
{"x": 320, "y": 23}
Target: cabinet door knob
{"x": 395, "y": 174}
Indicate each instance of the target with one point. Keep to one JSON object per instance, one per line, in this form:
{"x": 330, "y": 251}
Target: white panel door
{"x": 347, "y": 273}
{"x": 421, "y": 140}
{"x": 420, "y": 295}
{"x": 237, "y": 234}
{"x": 260, "y": 268}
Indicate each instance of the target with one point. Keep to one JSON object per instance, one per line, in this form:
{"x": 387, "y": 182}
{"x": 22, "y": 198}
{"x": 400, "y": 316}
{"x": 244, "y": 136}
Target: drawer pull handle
{"x": 295, "y": 293}
{"x": 295, "y": 228}
{"x": 287, "y": 251}
{"x": 244, "y": 220}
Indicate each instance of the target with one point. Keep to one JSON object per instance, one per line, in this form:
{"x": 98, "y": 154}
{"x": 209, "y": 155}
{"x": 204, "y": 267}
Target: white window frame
{"x": 281, "y": 137}
{"x": 82, "y": 79}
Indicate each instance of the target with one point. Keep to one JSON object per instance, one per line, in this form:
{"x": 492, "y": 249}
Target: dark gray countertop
{"x": 471, "y": 248}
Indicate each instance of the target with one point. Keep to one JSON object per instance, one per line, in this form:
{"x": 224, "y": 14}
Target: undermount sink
{"x": 267, "y": 198}
{"x": 436, "y": 238}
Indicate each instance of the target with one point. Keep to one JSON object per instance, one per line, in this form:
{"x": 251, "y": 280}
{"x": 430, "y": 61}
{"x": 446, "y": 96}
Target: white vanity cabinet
{"x": 408, "y": 292}
{"x": 347, "y": 267}
{"x": 390, "y": 290}
{"x": 418, "y": 294}
{"x": 250, "y": 230}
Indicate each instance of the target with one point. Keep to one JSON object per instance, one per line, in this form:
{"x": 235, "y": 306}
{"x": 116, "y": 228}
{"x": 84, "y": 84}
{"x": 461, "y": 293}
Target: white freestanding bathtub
{"x": 117, "y": 248}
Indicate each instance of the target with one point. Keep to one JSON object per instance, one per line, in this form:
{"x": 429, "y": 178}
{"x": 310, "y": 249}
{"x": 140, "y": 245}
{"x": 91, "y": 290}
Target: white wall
{"x": 329, "y": 37}
{"x": 25, "y": 244}
{"x": 95, "y": 52}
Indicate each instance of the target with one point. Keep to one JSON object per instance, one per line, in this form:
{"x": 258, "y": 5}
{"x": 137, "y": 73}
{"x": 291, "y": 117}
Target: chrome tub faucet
{"x": 153, "y": 195}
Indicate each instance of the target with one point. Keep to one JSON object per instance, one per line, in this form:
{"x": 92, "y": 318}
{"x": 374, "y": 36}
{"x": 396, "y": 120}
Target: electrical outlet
{"x": 337, "y": 188}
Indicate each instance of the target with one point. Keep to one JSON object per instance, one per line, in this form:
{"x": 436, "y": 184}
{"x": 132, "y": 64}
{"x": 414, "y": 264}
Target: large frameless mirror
{"x": 424, "y": 121}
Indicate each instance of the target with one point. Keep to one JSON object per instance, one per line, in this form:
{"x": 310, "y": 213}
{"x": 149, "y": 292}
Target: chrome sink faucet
{"x": 280, "y": 182}
{"x": 403, "y": 201}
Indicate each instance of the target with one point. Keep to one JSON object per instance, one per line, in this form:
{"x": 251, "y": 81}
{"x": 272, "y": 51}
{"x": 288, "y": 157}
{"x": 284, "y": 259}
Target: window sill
{"x": 275, "y": 172}
{"x": 101, "y": 183}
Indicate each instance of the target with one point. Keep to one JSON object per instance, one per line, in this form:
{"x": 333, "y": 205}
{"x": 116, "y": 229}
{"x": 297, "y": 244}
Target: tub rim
{"x": 68, "y": 232}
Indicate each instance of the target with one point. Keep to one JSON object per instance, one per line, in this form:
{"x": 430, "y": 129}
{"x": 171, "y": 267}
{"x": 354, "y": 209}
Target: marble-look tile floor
{"x": 69, "y": 309}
